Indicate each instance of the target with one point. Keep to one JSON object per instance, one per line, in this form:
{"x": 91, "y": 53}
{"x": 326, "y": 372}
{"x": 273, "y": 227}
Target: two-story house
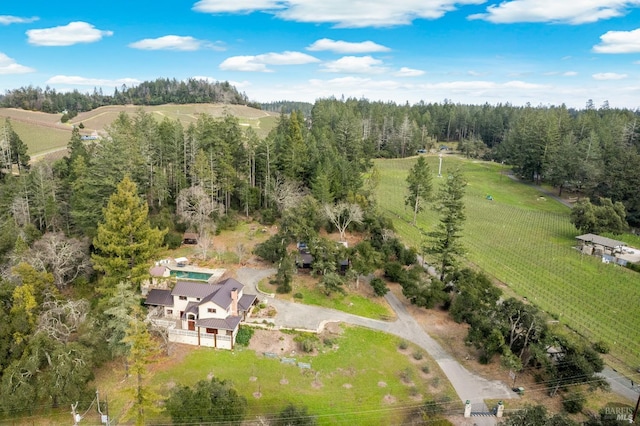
{"x": 203, "y": 314}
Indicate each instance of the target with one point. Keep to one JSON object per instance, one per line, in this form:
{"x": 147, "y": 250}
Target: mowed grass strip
{"x": 364, "y": 379}
{"x": 525, "y": 240}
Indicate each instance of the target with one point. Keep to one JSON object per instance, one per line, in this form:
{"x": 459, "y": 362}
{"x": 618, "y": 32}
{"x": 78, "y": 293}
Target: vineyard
{"x": 526, "y": 241}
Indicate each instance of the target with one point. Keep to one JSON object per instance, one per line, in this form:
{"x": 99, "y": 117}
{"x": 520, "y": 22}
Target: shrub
{"x": 574, "y": 402}
{"x": 173, "y": 240}
{"x": 379, "y": 286}
{"x": 417, "y": 355}
{"x": 298, "y": 296}
{"x": 403, "y": 345}
{"x": 425, "y": 369}
{"x": 601, "y": 347}
{"x": 244, "y": 335}
{"x": 307, "y": 342}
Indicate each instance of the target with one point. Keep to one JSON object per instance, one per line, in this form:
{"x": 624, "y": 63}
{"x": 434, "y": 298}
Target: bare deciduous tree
{"x": 286, "y": 193}
{"x": 205, "y": 240}
{"x": 342, "y": 215}
{"x": 61, "y": 318}
{"x": 66, "y": 258}
{"x": 195, "y": 206}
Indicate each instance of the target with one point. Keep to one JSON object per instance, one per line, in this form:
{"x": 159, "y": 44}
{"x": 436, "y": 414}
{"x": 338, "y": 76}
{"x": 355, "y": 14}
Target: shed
{"x": 597, "y": 240}
{"x": 190, "y": 238}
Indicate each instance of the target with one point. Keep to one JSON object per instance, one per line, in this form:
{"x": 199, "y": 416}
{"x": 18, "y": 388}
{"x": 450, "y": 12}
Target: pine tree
{"x": 125, "y": 241}
{"x": 420, "y": 187}
{"x": 446, "y": 246}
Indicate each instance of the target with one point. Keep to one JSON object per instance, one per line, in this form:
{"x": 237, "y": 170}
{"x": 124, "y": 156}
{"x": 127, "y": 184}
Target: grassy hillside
{"x": 361, "y": 378}
{"x": 525, "y": 241}
{"x": 44, "y": 133}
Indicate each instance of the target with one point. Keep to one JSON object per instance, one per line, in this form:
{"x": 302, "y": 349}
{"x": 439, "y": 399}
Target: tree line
{"x": 157, "y": 92}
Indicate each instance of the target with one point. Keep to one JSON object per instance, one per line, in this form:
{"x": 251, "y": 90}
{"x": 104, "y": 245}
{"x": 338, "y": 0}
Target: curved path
{"x": 308, "y": 317}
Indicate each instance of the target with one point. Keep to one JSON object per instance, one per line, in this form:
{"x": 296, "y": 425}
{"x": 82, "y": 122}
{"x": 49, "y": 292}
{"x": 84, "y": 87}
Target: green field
{"x": 525, "y": 241}
{"x": 342, "y": 385}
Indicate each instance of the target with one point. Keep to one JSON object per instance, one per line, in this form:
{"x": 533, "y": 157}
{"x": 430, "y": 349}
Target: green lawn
{"x": 349, "y": 376}
{"x": 525, "y": 241}
{"x": 352, "y": 303}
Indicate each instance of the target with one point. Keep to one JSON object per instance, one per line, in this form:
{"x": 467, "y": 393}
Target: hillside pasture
{"x": 525, "y": 240}
{"x": 44, "y": 133}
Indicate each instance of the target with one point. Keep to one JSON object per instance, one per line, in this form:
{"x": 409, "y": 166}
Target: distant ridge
{"x": 158, "y": 92}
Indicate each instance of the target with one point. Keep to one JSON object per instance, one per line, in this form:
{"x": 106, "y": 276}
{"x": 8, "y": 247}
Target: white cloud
{"x": 174, "y": 42}
{"x": 571, "y": 12}
{"x": 355, "y": 65}
{"x": 8, "y": 19}
{"x": 562, "y": 74}
{"x": 636, "y": 62}
{"x": 67, "y": 35}
{"x": 84, "y": 81}
{"x": 344, "y": 14}
{"x": 408, "y": 72}
{"x": 339, "y": 46}
{"x": 619, "y": 42}
{"x": 258, "y": 63}
{"x": 609, "y": 76}
{"x": 238, "y": 6}
{"x": 10, "y": 66}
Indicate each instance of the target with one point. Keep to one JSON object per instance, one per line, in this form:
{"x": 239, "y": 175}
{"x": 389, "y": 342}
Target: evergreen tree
{"x": 445, "y": 246}
{"x": 419, "y": 181}
{"x": 125, "y": 241}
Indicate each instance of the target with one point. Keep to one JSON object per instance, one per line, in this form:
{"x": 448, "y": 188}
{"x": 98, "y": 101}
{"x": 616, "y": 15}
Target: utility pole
{"x": 635, "y": 412}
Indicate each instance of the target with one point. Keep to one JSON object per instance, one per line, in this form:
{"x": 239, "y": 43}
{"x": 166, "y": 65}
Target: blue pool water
{"x": 191, "y": 275}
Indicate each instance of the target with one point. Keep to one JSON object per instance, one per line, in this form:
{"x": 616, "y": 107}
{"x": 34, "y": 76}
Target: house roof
{"x": 192, "y": 308}
{"x": 246, "y": 301}
{"x": 603, "y": 241}
{"x": 157, "y": 297}
{"x": 230, "y": 323}
{"x": 189, "y": 236}
{"x": 194, "y": 289}
{"x": 157, "y": 271}
{"x": 222, "y": 297}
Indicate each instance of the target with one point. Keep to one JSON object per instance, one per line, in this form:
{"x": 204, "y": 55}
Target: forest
{"x": 67, "y": 304}
{"x": 158, "y": 92}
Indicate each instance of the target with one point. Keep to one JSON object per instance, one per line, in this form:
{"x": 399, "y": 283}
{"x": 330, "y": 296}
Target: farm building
{"x": 190, "y": 238}
{"x": 202, "y": 314}
{"x": 610, "y": 250}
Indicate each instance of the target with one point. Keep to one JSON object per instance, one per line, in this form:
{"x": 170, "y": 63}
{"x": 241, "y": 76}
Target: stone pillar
{"x": 467, "y": 408}
{"x": 500, "y": 409}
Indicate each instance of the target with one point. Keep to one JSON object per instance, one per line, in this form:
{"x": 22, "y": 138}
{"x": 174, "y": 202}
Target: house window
{"x": 198, "y": 299}
{"x": 229, "y": 333}
{"x": 183, "y": 297}
{"x": 211, "y": 310}
{"x": 169, "y": 311}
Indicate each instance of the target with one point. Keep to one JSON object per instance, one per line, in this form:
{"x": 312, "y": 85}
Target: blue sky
{"x": 468, "y": 51}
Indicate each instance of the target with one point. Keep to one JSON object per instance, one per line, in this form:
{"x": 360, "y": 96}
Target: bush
{"x": 601, "y": 347}
{"x": 574, "y": 402}
{"x": 425, "y": 369}
{"x": 244, "y": 335}
{"x": 307, "y": 342}
{"x": 403, "y": 345}
{"x": 379, "y": 286}
{"x": 298, "y": 296}
{"x": 418, "y": 355}
{"x": 173, "y": 240}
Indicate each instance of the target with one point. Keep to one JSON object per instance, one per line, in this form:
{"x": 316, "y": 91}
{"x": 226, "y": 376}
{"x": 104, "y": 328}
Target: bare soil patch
{"x": 273, "y": 341}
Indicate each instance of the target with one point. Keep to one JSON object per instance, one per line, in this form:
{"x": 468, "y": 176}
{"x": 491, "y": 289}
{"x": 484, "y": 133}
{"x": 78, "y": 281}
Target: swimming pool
{"x": 191, "y": 275}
